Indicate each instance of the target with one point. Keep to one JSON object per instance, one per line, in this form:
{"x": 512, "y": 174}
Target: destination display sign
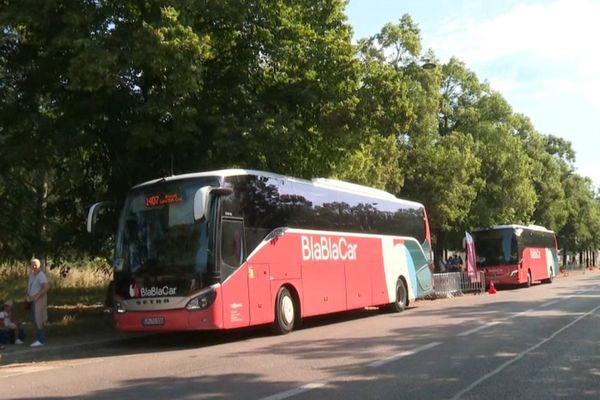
{"x": 163, "y": 199}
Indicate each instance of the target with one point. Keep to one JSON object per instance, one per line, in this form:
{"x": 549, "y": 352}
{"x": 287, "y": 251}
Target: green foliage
{"x": 507, "y": 195}
{"x": 71, "y": 282}
{"x": 75, "y": 299}
{"x": 581, "y": 230}
{"x": 280, "y": 87}
{"x": 550, "y": 209}
{"x": 460, "y": 92}
{"x": 448, "y": 182}
{"x": 96, "y": 96}
{"x": 375, "y": 163}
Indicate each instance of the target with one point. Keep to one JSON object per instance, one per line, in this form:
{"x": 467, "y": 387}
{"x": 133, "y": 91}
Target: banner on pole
{"x": 471, "y": 258}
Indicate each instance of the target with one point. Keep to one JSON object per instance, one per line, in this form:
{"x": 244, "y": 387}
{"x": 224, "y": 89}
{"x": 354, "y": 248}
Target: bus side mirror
{"x": 201, "y": 202}
{"x": 202, "y": 197}
{"x": 93, "y": 213}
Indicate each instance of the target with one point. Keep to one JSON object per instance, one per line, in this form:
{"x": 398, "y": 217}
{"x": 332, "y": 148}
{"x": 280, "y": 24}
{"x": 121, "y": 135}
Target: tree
{"x": 444, "y": 176}
{"x": 99, "y": 95}
{"x": 550, "y": 208}
{"x": 282, "y": 86}
{"x": 580, "y": 232}
{"x": 460, "y": 92}
{"x": 397, "y": 100}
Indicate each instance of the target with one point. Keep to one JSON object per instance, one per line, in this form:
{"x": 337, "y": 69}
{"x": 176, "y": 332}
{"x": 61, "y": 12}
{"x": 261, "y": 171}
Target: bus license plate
{"x": 153, "y": 321}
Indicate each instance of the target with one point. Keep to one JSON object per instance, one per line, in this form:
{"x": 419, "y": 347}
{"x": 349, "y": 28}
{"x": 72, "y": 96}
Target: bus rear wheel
{"x": 285, "y": 312}
{"x": 401, "y": 297}
{"x": 550, "y": 277}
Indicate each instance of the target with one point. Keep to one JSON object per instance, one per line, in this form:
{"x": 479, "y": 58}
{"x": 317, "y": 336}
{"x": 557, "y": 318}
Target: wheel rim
{"x": 287, "y": 310}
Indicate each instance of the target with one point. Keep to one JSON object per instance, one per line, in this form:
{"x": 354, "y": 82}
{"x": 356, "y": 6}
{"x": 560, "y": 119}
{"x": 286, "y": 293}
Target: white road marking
{"x": 316, "y": 385}
{"x": 402, "y": 354}
{"x": 487, "y": 325}
{"x": 521, "y": 313}
{"x": 479, "y": 328}
{"x": 549, "y": 303}
{"x": 520, "y": 355}
{"x": 294, "y": 392}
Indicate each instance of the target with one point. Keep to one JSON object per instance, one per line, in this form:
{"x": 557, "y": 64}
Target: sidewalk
{"x": 87, "y": 345}
{"x": 97, "y": 337}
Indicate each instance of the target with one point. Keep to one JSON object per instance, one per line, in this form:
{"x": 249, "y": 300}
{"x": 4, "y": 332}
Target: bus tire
{"x": 529, "y": 280}
{"x": 285, "y": 312}
{"x": 401, "y": 297}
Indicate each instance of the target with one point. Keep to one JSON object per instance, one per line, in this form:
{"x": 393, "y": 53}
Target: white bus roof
{"x": 515, "y": 226}
{"x": 332, "y": 184}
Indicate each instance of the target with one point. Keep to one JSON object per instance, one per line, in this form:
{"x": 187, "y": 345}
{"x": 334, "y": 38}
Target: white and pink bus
{"x": 237, "y": 248}
{"x": 516, "y": 254}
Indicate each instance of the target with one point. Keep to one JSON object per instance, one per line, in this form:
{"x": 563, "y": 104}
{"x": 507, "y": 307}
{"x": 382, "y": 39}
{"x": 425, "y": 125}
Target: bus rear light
{"x": 203, "y": 301}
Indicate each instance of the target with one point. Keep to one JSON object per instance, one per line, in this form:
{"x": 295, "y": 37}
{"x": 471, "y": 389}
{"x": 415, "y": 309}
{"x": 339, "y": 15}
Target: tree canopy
{"x": 96, "y": 96}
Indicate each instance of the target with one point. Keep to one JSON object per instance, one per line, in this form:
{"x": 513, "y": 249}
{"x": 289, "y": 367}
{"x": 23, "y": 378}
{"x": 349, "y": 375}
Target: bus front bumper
{"x": 165, "y": 321}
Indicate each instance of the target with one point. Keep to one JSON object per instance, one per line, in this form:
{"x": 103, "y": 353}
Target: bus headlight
{"x": 202, "y": 301}
{"x": 119, "y": 308}
{"x": 514, "y": 272}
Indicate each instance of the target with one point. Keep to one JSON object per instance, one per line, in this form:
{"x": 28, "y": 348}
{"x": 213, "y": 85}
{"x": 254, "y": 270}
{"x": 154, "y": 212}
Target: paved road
{"x": 536, "y": 343}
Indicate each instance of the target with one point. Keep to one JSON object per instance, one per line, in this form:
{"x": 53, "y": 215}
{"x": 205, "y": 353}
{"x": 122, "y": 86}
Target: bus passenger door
{"x": 236, "y": 311}
{"x": 423, "y": 273}
{"x": 259, "y": 287}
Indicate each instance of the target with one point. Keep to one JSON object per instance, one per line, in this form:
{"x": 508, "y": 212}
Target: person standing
{"x": 37, "y": 289}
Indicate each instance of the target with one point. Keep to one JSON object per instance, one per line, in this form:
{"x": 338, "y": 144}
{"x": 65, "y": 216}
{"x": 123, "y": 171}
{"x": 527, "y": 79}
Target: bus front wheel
{"x": 285, "y": 312}
{"x": 401, "y": 297}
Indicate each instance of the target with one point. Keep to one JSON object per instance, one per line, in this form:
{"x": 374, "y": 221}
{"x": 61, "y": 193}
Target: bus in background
{"x": 237, "y": 248}
{"x": 516, "y": 254}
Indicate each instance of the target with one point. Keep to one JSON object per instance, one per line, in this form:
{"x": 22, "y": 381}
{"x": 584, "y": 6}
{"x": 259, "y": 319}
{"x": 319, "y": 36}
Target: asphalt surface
{"x": 536, "y": 343}
{"x": 92, "y": 344}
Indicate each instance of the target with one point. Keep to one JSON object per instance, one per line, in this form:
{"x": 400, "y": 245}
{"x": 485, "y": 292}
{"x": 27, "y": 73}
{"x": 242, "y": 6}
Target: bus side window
{"x": 232, "y": 246}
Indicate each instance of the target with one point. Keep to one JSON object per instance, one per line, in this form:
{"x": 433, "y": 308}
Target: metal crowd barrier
{"x": 450, "y": 284}
{"x": 571, "y": 267}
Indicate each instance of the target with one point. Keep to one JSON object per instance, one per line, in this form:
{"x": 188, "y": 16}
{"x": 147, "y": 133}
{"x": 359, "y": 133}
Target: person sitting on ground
{"x": 15, "y": 334}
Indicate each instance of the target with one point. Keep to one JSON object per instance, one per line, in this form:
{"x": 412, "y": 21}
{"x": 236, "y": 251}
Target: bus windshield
{"x": 496, "y": 247}
{"x": 157, "y": 232}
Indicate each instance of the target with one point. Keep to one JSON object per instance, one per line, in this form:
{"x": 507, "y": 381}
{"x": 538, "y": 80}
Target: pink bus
{"x": 516, "y": 254}
{"x": 237, "y": 248}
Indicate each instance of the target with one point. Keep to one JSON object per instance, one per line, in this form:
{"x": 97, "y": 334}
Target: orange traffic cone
{"x": 492, "y": 289}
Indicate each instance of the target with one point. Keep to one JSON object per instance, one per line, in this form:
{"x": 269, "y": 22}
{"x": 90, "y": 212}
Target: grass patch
{"x": 75, "y": 299}
{"x": 78, "y": 321}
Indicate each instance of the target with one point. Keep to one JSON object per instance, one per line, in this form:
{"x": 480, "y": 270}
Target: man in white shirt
{"x": 37, "y": 289}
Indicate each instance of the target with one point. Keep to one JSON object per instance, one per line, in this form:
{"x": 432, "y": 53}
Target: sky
{"x": 543, "y": 56}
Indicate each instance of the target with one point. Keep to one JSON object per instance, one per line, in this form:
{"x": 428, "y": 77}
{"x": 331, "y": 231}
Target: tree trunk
{"x": 41, "y": 249}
